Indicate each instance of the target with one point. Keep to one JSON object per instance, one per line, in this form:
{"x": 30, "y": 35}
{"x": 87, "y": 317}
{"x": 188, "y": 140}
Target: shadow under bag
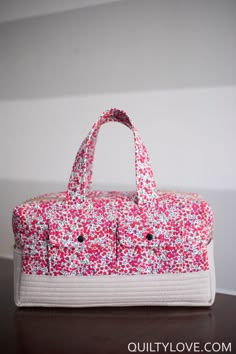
{"x": 84, "y": 248}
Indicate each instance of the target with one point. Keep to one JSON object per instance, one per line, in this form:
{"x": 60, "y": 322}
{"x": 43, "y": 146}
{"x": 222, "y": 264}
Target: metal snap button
{"x": 81, "y": 238}
{"x": 149, "y": 237}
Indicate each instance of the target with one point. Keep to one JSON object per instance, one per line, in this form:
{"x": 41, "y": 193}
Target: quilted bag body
{"x": 91, "y": 248}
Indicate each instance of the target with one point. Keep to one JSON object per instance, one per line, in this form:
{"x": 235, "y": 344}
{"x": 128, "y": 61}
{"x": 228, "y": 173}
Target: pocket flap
{"x": 142, "y": 234}
{"x": 72, "y": 231}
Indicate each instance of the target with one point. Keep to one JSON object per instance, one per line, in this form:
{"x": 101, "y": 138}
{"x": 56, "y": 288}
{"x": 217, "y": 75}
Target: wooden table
{"x": 110, "y": 330}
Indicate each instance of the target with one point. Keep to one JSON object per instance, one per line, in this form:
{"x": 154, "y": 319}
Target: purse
{"x": 84, "y": 248}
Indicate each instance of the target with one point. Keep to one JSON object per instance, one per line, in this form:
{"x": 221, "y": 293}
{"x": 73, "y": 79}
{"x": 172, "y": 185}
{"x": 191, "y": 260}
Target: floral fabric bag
{"x": 84, "y": 248}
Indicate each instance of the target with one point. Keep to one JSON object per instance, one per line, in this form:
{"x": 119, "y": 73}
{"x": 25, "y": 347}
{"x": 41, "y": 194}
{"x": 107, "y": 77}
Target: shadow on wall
{"x": 130, "y": 45}
{"x": 223, "y": 203}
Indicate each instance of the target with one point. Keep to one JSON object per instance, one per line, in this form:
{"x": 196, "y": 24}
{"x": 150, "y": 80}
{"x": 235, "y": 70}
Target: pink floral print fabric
{"x": 83, "y": 232}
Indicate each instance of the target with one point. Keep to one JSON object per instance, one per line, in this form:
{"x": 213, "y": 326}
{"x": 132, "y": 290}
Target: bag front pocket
{"x": 81, "y": 248}
{"x": 148, "y": 248}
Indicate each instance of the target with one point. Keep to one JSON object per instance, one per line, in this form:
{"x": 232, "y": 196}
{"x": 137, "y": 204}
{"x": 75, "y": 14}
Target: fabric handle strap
{"x": 81, "y": 175}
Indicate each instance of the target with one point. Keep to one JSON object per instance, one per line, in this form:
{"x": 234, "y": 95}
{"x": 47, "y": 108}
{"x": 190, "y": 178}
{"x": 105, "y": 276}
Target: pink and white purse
{"x": 84, "y": 248}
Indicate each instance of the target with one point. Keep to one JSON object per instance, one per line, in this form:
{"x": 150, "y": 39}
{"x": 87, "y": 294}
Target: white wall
{"x": 170, "y": 67}
{"x": 190, "y": 134}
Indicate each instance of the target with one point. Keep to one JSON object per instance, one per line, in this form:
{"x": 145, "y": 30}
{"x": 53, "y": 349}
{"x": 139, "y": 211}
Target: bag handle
{"x": 81, "y": 175}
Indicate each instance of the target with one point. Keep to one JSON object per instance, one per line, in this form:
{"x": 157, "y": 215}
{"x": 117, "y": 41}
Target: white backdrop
{"x": 171, "y": 68}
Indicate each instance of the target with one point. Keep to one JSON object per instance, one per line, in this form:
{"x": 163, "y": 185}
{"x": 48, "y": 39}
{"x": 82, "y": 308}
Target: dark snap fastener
{"x": 149, "y": 237}
{"x": 81, "y": 238}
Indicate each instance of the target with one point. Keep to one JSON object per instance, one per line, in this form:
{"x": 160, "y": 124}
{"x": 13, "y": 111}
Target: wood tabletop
{"x": 114, "y": 330}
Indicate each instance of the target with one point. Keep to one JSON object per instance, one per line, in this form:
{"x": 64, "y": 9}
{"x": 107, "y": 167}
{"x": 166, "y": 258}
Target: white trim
{"x": 226, "y": 291}
{"x": 25, "y": 9}
{"x": 6, "y": 256}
